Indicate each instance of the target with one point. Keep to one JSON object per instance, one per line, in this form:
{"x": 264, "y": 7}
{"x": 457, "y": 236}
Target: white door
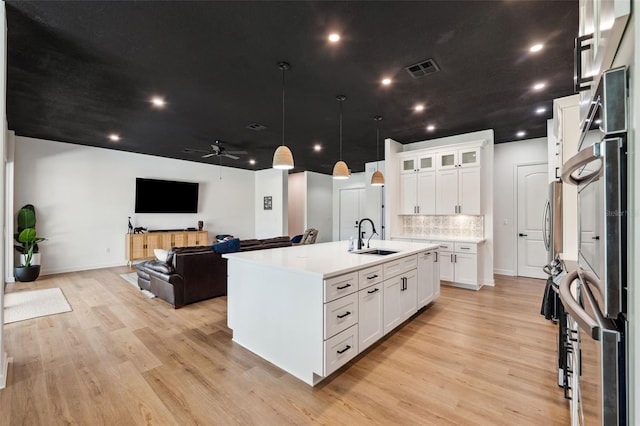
{"x": 408, "y": 296}
{"x": 408, "y": 193}
{"x": 469, "y": 190}
{"x": 370, "y": 309}
{"x": 391, "y": 301}
{"x": 426, "y": 193}
{"x": 425, "y": 278}
{"x": 532, "y": 190}
{"x": 351, "y": 209}
{"x": 445, "y": 258}
{"x": 465, "y": 268}
{"x": 446, "y": 191}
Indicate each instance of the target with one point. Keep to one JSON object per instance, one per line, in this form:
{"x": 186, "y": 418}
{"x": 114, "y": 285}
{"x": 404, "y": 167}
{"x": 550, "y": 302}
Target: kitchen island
{"x": 309, "y": 309}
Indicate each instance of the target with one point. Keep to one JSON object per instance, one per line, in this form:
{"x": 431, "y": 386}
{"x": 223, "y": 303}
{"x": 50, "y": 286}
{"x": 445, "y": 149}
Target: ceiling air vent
{"x": 422, "y": 68}
{"x": 256, "y": 126}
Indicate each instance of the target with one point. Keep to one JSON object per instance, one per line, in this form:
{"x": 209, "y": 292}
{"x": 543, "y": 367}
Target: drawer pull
{"x": 372, "y": 277}
{"x": 344, "y": 315}
{"x": 372, "y": 291}
{"x": 344, "y": 350}
{"x": 465, "y": 248}
{"x": 343, "y": 287}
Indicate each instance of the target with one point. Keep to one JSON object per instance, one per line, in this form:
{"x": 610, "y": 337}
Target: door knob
{"x": 522, "y": 235}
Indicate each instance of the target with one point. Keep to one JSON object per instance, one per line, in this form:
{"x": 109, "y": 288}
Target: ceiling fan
{"x": 217, "y": 150}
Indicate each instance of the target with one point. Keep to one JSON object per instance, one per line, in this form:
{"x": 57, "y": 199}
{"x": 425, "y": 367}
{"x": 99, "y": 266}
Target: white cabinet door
{"x": 426, "y": 192}
{"x": 426, "y": 162}
{"x": 436, "y": 274}
{"x": 445, "y": 259}
{"x": 466, "y": 268}
{"x": 469, "y": 190}
{"x": 469, "y": 157}
{"x": 426, "y": 278}
{"x": 408, "y": 192}
{"x": 409, "y": 295}
{"x": 370, "y": 311}
{"x": 446, "y": 191}
{"x": 447, "y": 160}
{"x": 407, "y": 165}
{"x": 391, "y": 296}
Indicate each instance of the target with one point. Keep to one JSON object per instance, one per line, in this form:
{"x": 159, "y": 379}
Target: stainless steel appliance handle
{"x": 579, "y": 160}
{"x": 546, "y": 236}
{"x": 577, "y": 312}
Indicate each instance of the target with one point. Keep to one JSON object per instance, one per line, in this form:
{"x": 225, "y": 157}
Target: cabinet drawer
{"x": 466, "y": 248}
{"x": 444, "y": 245}
{"x": 340, "y": 314}
{"x": 340, "y": 349}
{"x": 340, "y": 286}
{"x": 370, "y": 276}
{"x": 393, "y": 268}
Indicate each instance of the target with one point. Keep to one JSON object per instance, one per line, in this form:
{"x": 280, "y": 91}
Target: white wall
{"x": 274, "y": 222}
{"x": 3, "y": 144}
{"x": 296, "y": 206}
{"x": 83, "y": 196}
{"x": 506, "y": 157}
{"x": 320, "y": 205}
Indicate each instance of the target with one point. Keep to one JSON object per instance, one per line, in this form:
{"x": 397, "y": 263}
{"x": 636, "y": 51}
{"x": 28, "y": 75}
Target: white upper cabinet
{"x": 418, "y": 184}
{"x": 459, "y": 158}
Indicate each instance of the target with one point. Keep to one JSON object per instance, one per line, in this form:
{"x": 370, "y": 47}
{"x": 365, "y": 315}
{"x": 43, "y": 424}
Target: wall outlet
{"x": 108, "y": 250}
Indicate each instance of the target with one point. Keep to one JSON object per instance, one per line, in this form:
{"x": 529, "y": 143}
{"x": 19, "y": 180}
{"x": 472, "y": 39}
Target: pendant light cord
{"x": 283, "y": 70}
{"x": 377, "y": 143}
{"x": 340, "y": 130}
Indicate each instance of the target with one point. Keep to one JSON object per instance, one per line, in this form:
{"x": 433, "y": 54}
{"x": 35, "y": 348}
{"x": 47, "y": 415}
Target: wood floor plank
{"x": 471, "y": 358}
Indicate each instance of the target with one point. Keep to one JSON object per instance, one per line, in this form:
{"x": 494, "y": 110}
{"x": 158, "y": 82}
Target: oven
{"x": 594, "y": 291}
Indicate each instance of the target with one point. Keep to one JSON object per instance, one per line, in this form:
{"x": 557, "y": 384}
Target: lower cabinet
{"x": 400, "y": 299}
{"x": 458, "y": 263}
{"x": 141, "y": 246}
{"x": 339, "y": 349}
{"x": 428, "y": 277}
{"x": 370, "y": 310}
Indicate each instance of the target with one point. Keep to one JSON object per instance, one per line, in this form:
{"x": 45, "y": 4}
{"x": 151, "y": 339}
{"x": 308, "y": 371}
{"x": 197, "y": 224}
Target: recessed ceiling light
{"x": 334, "y": 37}
{"x": 386, "y": 81}
{"x": 113, "y": 137}
{"x": 317, "y": 147}
{"x": 252, "y": 161}
{"x": 540, "y": 110}
{"x": 419, "y": 107}
{"x": 521, "y": 133}
{"x": 536, "y": 47}
{"x": 431, "y": 128}
{"x": 158, "y": 102}
{"x": 538, "y": 86}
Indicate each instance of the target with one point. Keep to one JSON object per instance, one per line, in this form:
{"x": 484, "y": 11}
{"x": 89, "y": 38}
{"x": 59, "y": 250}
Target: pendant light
{"x": 340, "y": 170}
{"x": 377, "y": 179}
{"x": 283, "y": 158}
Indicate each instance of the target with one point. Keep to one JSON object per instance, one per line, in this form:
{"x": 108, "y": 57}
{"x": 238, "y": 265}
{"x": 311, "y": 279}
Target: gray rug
{"x": 24, "y": 305}
{"x": 132, "y": 278}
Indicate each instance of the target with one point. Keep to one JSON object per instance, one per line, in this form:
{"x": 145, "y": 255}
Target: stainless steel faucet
{"x": 373, "y": 229}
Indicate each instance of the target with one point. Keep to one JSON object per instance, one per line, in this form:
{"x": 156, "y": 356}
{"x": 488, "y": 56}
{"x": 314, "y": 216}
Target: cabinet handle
{"x": 418, "y": 207}
{"x": 579, "y": 78}
{"x": 455, "y": 258}
{"x": 373, "y": 291}
{"x": 451, "y": 255}
{"x": 344, "y": 315}
{"x": 343, "y": 287}
{"x": 465, "y": 248}
{"x": 344, "y": 350}
{"x": 372, "y": 277}
{"x": 436, "y": 259}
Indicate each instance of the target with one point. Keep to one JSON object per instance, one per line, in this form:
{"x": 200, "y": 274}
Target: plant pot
{"x": 35, "y": 260}
{"x": 27, "y": 274}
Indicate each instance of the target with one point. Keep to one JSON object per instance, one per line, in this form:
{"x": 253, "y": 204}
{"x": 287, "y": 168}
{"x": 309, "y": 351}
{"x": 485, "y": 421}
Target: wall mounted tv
{"x": 166, "y": 196}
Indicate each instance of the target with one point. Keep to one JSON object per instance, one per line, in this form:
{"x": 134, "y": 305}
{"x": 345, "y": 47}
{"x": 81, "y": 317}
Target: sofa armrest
{"x": 204, "y": 274}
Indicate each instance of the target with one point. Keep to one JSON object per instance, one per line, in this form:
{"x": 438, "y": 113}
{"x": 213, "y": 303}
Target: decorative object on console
{"x": 200, "y": 225}
{"x": 130, "y": 228}
{"x": 377, "y": 179}
{"x": 139, "y": 230}
{"x": 283, "y": 158}
{"x": 340, "y": 169}
{"x": 27, "y": 244}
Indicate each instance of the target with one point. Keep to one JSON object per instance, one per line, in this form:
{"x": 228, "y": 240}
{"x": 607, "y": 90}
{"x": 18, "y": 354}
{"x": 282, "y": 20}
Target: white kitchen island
{"x": 309, "y": 309}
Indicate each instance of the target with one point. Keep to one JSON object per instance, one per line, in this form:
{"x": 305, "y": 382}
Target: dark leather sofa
{"x": 191, "y": 274}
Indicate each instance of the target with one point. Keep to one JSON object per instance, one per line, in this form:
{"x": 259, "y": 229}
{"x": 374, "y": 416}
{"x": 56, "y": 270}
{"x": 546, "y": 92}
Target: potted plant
{"x": 27, "y": 246}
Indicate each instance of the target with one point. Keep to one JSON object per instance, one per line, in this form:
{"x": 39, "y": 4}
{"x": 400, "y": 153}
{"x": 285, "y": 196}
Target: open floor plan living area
{"x": 319, "y": 212}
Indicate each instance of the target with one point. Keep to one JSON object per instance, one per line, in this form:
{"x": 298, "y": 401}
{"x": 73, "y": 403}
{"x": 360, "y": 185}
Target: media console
{"x": 141, "y": 246}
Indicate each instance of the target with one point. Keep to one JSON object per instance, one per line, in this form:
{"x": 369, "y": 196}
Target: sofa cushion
{"x": 161, "y": 254}
{"x": 162, "y": 267}
{"x": 230, "y": 246}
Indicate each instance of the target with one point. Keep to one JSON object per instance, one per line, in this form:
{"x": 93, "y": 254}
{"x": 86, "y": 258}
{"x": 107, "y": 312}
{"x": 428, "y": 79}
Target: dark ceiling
{"x": 79, "y": 71}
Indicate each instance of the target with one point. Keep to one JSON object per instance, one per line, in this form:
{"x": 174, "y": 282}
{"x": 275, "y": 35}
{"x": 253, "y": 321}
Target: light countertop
{"x": 328, "y": 259}
{"x": 473, "y": 240}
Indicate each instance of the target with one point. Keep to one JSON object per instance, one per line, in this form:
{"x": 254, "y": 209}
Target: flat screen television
{"x": 166, "y": 196}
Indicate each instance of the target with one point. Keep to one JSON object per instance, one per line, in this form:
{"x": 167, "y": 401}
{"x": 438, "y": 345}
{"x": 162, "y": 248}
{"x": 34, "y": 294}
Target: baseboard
{"x": 82, "y": 268}
{"x": 4, "y": 367}
{"x": 508, "y": 272}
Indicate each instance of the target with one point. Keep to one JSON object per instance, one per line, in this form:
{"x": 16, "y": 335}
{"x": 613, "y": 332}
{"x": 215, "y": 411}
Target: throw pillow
{"x": 161, "y": 254}
{"x": 230, "y": 246}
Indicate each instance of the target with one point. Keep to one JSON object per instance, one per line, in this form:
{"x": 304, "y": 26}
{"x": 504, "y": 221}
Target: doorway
{"x": 532, "y": 187}
{"x": 352, "y": 205}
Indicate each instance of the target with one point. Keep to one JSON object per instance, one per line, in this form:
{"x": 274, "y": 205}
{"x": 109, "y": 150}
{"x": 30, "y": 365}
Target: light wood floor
{"x": 472, "y": 358}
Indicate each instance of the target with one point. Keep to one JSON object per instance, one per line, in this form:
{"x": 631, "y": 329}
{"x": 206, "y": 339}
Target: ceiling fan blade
{"x": 233, "y": 157}
{"x": 190, "y": 150}
{"x": 237, "y": 152}
{"x": 208, "y": 155}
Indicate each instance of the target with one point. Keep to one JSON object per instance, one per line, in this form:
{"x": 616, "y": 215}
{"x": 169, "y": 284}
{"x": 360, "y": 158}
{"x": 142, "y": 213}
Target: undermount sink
{"x": 379, "y": 252}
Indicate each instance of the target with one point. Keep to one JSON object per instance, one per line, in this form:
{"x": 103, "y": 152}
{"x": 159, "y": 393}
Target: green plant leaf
{"x": 27, "y": 236}
{"x": 26, "y": 218}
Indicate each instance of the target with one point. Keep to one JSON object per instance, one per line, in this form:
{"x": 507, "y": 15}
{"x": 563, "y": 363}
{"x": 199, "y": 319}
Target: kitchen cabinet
{"x": 418, "y": 184}
{"x": 370, "y": 319}
{"x": 458, "y": 264}
{"x": 141, "y": 246}
{"x": 428, "y": 287}
{"x": 458, "y": 158}
{"x": 458, "y": 190}
{"x": 400, "y": 291}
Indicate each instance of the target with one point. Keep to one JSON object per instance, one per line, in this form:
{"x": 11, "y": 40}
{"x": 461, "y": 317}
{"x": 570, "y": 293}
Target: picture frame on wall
{"x": 268, "y": 203}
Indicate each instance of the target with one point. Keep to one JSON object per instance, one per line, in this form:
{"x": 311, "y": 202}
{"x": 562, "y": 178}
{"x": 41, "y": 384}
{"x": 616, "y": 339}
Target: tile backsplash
{"x": 443, "y": 226}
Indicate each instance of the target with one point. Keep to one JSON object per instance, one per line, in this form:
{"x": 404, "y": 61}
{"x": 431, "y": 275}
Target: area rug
{"x": 24, "y": 305}
{"x": 132, "y": 278}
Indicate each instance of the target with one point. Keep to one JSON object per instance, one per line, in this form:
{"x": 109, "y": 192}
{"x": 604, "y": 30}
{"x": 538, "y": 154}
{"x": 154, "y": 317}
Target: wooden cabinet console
{"x": 141, "y": 246}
